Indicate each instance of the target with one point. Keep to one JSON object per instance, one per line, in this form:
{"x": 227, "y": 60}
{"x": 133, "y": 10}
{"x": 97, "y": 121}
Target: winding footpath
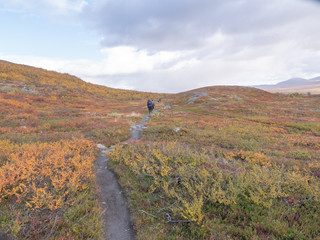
{"x": 116, "y": 215}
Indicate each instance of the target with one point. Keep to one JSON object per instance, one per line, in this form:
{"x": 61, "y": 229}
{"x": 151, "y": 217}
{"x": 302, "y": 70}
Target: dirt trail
{"x": 116, "y": 215}
{"x": 137, "y": 129}
{"x": 2, "y": 236}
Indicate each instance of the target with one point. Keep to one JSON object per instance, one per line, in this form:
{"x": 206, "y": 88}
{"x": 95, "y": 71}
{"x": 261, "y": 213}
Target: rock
{"x": 215, "y": 99}
{"x": 201, "y": 94}
{"x": 177, "y": 130}
{"x": 192, "y": 100}
{"x": 101, "y": 147}
{"x": 28, "y": 89}
{"x": 196, "y": 96}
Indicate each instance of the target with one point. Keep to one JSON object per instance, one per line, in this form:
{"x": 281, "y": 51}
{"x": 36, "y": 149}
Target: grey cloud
{"x": 261, "y": 39}
{"x": 150, "y": 24}
{"x": 167, "y": 24}
{"x": 186, "y": 24}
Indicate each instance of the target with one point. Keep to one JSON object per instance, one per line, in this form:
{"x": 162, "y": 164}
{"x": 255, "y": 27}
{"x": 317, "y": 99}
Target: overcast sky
{"x": 165, "y": 45}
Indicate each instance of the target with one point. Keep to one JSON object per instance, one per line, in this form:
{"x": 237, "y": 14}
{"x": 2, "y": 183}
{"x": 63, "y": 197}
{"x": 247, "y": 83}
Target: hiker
{"x": 150, "y": 105}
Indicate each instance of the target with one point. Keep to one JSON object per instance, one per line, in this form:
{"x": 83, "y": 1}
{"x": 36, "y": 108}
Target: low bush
{"x": 46, "y": 189}
{"x": 187, "y": 191}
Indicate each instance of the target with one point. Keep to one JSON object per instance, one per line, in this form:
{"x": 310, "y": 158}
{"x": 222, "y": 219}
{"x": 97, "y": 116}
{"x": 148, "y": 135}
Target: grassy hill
{"x": 226, "y": 163}
{"x": 214, "y": 163}
{"x": 50, "y": 124}
{"x": 44, "y": 104}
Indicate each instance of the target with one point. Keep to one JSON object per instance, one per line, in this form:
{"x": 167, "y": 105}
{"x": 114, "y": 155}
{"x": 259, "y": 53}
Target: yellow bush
{"x": 45, "y": 175}
{"x": 191, "y": 178}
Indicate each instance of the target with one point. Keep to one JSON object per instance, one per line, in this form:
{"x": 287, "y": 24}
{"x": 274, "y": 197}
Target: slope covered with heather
{"x": 50, "y": 124}
{"x": 213, "y": 163}
{"x": 226, "y": 163}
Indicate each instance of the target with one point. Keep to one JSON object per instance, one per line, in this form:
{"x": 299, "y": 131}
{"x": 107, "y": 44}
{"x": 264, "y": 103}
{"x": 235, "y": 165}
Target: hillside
{"x": 226, "y": 163}
{"x": 294, "y": 85}
{"x": 42, "y": 105}
{"x": 50, "y": 124}
{"x": 213, "y": 163}
{"x": 48, "y": 82}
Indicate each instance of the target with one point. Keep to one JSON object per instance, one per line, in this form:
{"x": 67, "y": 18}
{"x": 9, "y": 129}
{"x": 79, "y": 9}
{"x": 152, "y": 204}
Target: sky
{"x": 165, "y": 45}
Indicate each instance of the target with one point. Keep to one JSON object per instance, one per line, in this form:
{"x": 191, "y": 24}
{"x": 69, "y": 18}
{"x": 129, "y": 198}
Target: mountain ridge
{"x": 299, "y": 85}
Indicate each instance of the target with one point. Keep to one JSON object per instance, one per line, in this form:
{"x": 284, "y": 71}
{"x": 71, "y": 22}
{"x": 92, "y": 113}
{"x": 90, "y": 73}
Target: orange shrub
{"x": 44, "y": 180}
{"x": 43, "y": 175}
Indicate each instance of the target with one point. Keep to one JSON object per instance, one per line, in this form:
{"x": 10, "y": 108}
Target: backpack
{"x": 149, "y": 103}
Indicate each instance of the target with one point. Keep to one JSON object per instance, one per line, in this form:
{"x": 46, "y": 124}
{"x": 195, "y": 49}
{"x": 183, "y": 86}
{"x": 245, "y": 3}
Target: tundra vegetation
{"x": 50, "y": 124}
{"x": 213, "y": 163}
{"x": 226, "y": 163}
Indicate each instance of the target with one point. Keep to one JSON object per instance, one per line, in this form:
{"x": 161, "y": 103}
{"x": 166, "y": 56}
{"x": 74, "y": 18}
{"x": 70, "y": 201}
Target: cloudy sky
{"x": 165, "y": 45}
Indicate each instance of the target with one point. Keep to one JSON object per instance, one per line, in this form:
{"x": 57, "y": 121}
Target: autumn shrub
{"x": 47, "y": 188}
{"x": 176, "y": 184}
{"x": 304, "y": 127}
{"x": 41, "y": 183}
{"x": 113, "y": 134}
{"x": 6, "y": 148}
{"x": 303, "y": 155}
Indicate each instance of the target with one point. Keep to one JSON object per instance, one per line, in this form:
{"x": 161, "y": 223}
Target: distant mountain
{"x": 316, "y": 78}
{"x": 299, "y": 85}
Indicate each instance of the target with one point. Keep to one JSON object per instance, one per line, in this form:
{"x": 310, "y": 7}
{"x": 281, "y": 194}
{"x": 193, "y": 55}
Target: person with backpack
{"x": 150, "y": 105}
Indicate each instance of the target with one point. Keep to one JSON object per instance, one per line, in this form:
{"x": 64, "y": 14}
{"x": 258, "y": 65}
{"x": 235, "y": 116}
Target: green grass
{"x": 242, "y": 167}
{"x": 237, "y": 199}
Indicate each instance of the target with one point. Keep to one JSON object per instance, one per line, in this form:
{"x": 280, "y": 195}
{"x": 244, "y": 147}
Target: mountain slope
{"x": 50, "y": 124}
{"x": 216, "y": 160}
{"x": 35, "y": 98}
{"x": 45, "y": 81}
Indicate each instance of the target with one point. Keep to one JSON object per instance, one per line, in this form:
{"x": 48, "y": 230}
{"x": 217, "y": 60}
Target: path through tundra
{"x": 116, "y": 215}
